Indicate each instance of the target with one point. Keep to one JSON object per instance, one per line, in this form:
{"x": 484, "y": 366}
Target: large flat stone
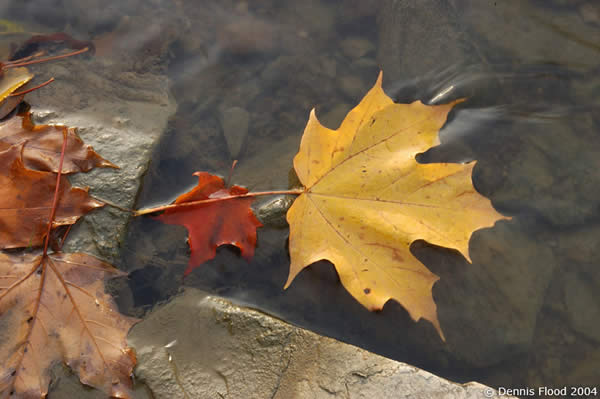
{"x": 122, "y": 114}
{"x": 200, "y": 346}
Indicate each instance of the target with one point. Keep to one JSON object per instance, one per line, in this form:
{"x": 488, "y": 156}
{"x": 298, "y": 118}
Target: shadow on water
{"x": 245, "y": 76}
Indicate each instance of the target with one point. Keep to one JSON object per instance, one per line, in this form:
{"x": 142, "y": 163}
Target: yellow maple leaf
{"x": 10, "y": 81}
{"x": 367, "y": 199}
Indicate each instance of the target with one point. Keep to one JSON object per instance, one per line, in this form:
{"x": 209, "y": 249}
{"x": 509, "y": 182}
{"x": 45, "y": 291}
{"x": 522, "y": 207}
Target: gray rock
{"x": 334, "y": 117}
{"x": 585, "y": 370}
{"x": 491, "y": 310}
{"x": 548, "y": 153}
{"x": 199, "y": 346}
{"x": 329, "y": 66}
{"x": 366, "y": 65}
{"x": 590, "y": 12}
{"x": 588, "y": 88}
{"x": 275, "y": 71}
{"x": 247, "y": 35}
{"x": 66, "y": 385}
{"x": 234, "y": 122}
{"x": 564, "y": 3}
{"x": 273, "y": 211}
{"x": 316, "y": 18}
{"x": 241, "y": 95}
{"x": 353, "y": 86}
{"x": 582, "y": 305}
{"x": 531, "y": 33}
{"x": 121, "y": 114}
{"x": 419, "y": 36}
{"x": 356, "y": 47}
{"x": 354, "y": 12}
{"x": 580, "y": 246}
{"x": 255, "y": 172}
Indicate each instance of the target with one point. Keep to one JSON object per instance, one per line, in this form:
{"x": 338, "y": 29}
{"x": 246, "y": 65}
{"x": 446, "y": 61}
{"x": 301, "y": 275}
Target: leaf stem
{"x": 217, "y": 199}
{"x": 56, "y": 193}
{"x": 56, "y": 57}
{"x": 231, "y": 172}
{"x": 112, "y": 204}
{"x": 32, "y": 89}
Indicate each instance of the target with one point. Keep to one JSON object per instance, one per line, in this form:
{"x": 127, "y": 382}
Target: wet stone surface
{"x": 247, "y": 354}
{"x": 272, "y": 212}
{"x": 122, "y": 115}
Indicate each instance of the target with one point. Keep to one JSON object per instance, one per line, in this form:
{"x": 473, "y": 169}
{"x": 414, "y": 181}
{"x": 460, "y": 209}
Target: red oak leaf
{"x": 211, "y": 224}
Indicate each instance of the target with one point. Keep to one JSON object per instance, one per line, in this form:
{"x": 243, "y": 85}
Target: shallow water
{"x": 526, "y": 312}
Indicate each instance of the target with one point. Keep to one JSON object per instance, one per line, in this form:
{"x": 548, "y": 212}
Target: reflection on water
{"x": 245, "y": 76}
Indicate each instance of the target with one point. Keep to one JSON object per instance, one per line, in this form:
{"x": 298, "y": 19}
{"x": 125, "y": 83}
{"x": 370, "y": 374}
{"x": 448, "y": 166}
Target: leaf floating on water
{"x": 230, "y": 221}
{"x": 367, "y": 199}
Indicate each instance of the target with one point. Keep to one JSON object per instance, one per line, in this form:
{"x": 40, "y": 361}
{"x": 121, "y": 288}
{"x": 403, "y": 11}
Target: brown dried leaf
{"x": 53, "y": 308}
{"x": 42, "y": 146}
{"x": 26, "y": 201}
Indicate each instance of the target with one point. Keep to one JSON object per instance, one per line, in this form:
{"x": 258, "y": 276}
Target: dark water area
{"x": 245, "y": 75}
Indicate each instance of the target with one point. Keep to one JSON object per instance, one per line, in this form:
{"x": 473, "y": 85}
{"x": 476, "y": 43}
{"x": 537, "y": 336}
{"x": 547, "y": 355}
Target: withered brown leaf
{"x": 53, "y": 308}
{"x": 26, "y": 200}
{"x": 42, "y": 146}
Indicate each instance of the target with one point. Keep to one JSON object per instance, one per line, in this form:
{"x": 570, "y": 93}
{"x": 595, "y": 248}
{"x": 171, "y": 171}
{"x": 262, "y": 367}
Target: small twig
{"x": 20, "y": 60}
{"x": 230, "y": 173}
{"x": 56, "y": 57}
{"x": 109, "y": 203}
{"x": 20, "y": 93}
{"x": 224, "y": 198}
{"x": 65, "y": 237}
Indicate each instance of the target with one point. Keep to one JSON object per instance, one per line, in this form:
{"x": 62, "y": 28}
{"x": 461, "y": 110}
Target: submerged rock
{"x": 356, "y": 47}
{"x": 273, "y": 211}
{"x": 582, "y": 305}
{"x": 247, "y": 35}
{"x": 419, "y": 36}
